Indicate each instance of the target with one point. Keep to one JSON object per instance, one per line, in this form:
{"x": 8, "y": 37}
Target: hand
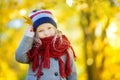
{"x": 29, "y": 31}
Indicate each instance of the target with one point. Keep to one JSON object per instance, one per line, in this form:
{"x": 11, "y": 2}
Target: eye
{"x": 40, "y": 31}
{"x": 49, "y": 27}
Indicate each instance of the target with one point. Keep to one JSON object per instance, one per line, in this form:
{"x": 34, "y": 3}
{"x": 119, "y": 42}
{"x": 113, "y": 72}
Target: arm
{"x": 73, "y": 75}
{"x": 24, "y": 46}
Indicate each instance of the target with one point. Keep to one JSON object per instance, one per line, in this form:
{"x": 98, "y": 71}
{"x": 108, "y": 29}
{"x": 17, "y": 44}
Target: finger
{"x": 31, "y": 28}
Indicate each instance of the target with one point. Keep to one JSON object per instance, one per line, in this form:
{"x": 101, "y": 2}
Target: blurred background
{"x": 92, "y": 26}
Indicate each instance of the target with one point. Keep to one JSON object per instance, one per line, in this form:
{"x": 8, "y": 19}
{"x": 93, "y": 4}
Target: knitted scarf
{"x": 49, "y": 50}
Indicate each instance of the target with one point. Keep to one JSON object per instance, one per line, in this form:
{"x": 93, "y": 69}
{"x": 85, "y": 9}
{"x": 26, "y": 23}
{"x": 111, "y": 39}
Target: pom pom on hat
{"x": 39, "y": 17}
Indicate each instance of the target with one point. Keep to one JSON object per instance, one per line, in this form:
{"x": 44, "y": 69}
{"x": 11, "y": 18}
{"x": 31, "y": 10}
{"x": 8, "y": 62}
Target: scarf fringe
{"x": 47, "y": 57}
{"x": 61, "y": 68}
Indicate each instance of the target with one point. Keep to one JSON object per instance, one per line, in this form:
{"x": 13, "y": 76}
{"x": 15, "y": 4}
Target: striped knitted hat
{"x": 39, "y": 17}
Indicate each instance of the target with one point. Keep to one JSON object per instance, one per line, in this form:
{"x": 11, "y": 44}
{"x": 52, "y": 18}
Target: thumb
{"x": 31, "y": 28}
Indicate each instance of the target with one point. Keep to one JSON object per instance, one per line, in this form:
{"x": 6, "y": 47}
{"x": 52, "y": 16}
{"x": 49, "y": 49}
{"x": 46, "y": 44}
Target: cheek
{"x": 40, "y": 35}
{"x": 52, "y": 32}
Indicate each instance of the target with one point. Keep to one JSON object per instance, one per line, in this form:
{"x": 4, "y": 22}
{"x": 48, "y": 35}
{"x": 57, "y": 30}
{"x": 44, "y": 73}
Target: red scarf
{"x": 49, "y": 50}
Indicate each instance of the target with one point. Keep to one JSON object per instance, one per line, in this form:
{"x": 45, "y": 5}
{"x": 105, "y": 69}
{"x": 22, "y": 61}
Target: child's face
{"x": 45, "y": 30}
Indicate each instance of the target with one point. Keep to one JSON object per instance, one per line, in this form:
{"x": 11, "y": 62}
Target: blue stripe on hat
{"x": 40, "y": 16}
{"x": 44, "y": 20}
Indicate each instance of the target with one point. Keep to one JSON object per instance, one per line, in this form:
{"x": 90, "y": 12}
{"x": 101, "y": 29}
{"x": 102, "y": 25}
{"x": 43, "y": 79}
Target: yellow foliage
{"x": 6, "y": 73}
{"x": 69, "y": 19}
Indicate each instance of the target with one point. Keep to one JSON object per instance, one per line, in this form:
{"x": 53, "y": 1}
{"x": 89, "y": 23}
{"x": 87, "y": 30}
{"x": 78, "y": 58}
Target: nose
{"x": 46, "y": 33}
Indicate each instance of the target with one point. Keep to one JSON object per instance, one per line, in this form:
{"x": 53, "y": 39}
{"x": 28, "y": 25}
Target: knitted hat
{"x": 39, "y": 17}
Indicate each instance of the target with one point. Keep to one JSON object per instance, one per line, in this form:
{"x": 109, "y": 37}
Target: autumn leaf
{"x": 27, "y": 20}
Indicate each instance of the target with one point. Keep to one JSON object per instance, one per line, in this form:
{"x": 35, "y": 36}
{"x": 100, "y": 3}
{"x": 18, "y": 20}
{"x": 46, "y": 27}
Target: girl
{"x": 47, "y": 51}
